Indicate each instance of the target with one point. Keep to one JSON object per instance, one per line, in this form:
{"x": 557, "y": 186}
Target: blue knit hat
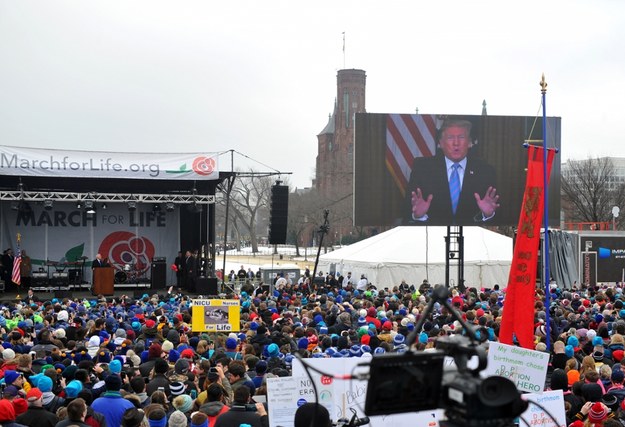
{"x": 302, "y": 343}
{"x": 73, "y": 388}
{"x": 569, "y": 351}
{"x": 115, "y": 367}
{"x": 273, "y": 350}
{"x": 573, "y": 341}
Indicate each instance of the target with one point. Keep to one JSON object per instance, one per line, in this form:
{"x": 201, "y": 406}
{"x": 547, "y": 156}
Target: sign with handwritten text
{"x": 551, "y": 405}
{"x": 526, "y": 368}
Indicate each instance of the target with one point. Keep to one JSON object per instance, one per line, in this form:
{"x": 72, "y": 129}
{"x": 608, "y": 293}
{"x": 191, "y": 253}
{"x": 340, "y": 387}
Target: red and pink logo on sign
{"x": 204, "y": 165}
{"x": 123, "y": 248}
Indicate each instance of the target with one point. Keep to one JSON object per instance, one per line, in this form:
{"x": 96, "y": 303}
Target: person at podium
{"x": 99, "y": 262}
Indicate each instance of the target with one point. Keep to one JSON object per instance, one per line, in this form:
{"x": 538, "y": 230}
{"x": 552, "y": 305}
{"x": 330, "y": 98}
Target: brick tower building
{"x": 334, "y": 166}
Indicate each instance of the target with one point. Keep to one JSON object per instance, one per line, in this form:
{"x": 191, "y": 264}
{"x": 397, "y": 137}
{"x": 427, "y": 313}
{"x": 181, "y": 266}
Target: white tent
{"x": 416, "y": 253}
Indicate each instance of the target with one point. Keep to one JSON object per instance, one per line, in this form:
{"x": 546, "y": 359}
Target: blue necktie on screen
{"x": 454, "y": 186}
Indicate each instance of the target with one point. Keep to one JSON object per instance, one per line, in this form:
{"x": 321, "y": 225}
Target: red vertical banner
{"x": 518, "y": 312}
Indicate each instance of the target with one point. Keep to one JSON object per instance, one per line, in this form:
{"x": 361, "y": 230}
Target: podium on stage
{"x": 103, "y": 281}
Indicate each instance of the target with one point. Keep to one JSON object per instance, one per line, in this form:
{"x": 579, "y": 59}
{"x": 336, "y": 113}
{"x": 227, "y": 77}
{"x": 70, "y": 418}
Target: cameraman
{"x": 243, "y": 412}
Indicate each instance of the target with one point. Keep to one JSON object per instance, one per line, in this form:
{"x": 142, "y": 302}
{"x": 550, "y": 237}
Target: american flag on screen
{"x": 16, "y": 276}
{"x": 408, "y": 136}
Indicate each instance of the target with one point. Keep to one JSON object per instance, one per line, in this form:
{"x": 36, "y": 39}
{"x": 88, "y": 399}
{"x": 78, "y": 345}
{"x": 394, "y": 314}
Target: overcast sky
{"x": 259, "y": 77}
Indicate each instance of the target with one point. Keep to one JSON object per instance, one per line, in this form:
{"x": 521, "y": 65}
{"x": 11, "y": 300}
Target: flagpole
{"x": 343, "y": 49}
{"x": 543, "y": 86}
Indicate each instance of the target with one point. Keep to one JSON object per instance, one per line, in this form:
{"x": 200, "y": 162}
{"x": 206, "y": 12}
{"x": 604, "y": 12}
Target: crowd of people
{"x": 136, "y": 362}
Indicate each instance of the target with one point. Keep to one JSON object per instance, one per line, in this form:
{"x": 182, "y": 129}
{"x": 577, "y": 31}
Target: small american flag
{"x": 408, "y": 136}
{"x": 16, "y": 276}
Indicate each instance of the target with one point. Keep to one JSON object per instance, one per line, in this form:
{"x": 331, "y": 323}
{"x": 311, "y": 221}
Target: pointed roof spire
{"x": 484, "y": 113}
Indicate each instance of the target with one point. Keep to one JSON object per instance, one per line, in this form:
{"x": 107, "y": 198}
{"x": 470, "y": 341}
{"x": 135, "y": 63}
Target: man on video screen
{"x": 452, "y": 188}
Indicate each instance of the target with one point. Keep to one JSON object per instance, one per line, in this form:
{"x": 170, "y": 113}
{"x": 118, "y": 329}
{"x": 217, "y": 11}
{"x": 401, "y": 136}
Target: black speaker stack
{"x": 278, "y": 214}
{"x": 159, "y": 273}
{"x": 206, "y": 286}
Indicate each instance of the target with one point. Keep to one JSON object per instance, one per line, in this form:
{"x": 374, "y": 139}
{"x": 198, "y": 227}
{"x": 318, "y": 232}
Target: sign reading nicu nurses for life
{"x": 527, "y": 369}
{"x": 215, "y": 315}
{"x": 100, "y": 164}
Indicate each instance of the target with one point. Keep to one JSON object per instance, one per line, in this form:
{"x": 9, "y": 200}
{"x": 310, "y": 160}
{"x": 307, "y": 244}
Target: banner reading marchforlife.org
{"x": 215, "y": 315}
{"x": 100, "y": 164}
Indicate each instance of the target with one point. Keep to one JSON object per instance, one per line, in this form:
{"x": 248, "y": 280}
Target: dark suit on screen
{"x": 430, "y": 175}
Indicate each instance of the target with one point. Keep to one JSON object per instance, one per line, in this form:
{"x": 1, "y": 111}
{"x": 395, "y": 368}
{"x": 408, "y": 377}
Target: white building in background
{"x": 618, "y": 178}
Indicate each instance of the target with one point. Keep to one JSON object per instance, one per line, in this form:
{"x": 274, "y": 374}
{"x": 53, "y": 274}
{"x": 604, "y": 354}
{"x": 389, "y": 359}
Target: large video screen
{"x": 433, "y": 169}
{"x": 610, "y": 256}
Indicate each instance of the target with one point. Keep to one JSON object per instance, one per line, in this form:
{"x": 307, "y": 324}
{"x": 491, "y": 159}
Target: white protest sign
{"x": 525, "y": 368}
{"x": 553, "y": 402}
{"x": 286, "y": 394}
{"x": 348, "y": 394}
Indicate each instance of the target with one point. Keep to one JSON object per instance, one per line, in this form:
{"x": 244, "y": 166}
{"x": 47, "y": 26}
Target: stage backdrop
{"x": 69, "y": 236}
{"x": 386, "y": 146}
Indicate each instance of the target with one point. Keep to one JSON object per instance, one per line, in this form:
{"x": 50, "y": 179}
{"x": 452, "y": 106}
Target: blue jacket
{"x": 112, "y": 405}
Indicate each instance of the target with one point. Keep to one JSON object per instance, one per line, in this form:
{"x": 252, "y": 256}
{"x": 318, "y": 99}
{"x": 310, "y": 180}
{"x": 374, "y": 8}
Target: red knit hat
{"x": 598, "y": 412}
{"x": 577, "y": 423}
{"x": 20, "y": 406}
{"x": 7, "y": 412}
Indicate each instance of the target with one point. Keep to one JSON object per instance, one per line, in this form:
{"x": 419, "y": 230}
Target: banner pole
{"x": 543, "y": 86}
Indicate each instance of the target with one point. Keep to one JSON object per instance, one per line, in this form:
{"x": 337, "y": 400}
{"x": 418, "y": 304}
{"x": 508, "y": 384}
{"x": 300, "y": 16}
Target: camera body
{"x": 416, "y": 381}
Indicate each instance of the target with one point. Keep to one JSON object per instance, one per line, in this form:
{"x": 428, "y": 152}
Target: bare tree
{"x": 250, "y": 196}
{"x": 590, "y": 188}
{"x": 305, "y": 214}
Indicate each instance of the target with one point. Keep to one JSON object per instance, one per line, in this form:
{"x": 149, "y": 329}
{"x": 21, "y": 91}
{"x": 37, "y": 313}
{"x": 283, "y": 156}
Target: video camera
{"x": 416, "y": 381}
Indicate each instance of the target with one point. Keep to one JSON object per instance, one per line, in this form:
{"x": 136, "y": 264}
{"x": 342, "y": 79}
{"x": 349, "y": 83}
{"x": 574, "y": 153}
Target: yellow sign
{"x": 215, "y": 315}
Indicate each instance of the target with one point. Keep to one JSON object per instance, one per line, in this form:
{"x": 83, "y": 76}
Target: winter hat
{"x": 572, "y": 376}
{"x": 399, "y": 339}
{"x": 20, "y": 405}
{"x": 597, "y": 341}
{"x": 569, "y": 351}
{"x": 10, "y": 376}
{"x": 44, "y": 384}
{"x": 573, "y": 341}
{"x": 177, "y": 419}
{"x": 187, "y": 353}
{"x": 113, "y": 382}
{"x": 231, "y": 344}
{"x": 177, "y": 388}
{"x": 302, "y": 343}
{"x": 598, "y": 412}
{"x": 199, "y": 419}
{"x": 73, "y": 388}
{"x": 8, "y": 354}
{"x": 183, "y": 403}
{"x": 7, "y": 412}
{"x": 115, "y": 367}
{"x": 273, "y": 350}
{"x": 157, "y": 418}
{"x": 173, "y": 356}
{"x": 617, "y": 376}
{"x": 155, "y": 350}
{"x": 261, "y": 367}
{"x": 34, "y": 394}
{"x": 181, "y": 367}
{"x": 94, "y": 341}
{"x": 167, "y": 346}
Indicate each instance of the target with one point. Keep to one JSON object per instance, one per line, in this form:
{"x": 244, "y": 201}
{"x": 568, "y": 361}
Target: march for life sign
{"x": 552, "y": 401}
{"x": 525, "y": 368}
